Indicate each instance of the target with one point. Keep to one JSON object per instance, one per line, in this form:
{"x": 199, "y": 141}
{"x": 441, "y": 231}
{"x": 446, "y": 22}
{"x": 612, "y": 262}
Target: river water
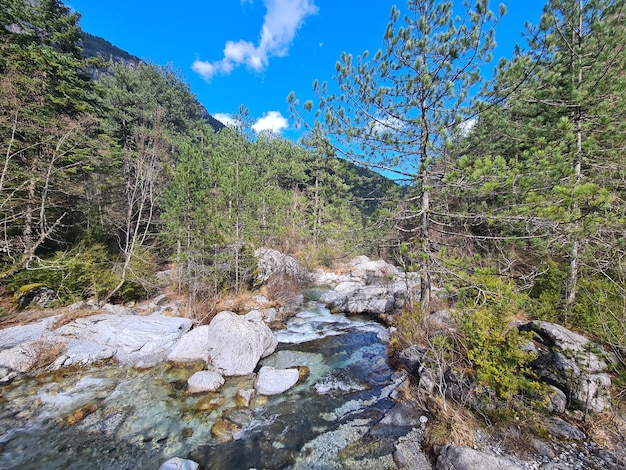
{"x": 117, "y": 418}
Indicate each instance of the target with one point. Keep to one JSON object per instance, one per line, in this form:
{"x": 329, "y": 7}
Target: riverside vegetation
{"x": 509, "y": 205}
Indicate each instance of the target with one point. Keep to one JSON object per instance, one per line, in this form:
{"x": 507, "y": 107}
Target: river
{"x": 118, "y": 418}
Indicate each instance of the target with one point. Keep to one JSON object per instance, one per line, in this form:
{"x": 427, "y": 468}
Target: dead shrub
{"x": 201, "y": 312}
{"x": 282, "y": 289}
{"x": 43, "y": 352}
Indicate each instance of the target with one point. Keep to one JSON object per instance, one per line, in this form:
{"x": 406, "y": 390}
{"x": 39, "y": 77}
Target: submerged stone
{"x": 179, "y": 464}
{"x": 205, "y": 381}
{"x": 272, "y": 381}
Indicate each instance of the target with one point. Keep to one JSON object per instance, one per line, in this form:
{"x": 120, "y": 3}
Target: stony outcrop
{"x": 271, "y": 381}
{"x": 454, "y": 457}
{"x": 130, "y": 338}
{"x": 375, "y": 300}
{"x": 127, "y": 338}
{"x": 369, "y": 287}
{"x": 272, "y": 262}
{"x": 236, "y": 344}
{"x": 35, "y": 294}
{"x": 573, "y": 364}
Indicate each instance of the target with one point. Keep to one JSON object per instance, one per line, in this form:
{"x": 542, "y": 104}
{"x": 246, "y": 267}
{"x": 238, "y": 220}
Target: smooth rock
{"x": 193, "y": 346}
{"x": 205, "y": 381}
{"x": 131, "y": 338}
{"x": 237, "y": 344}
{"x": 179, "y": 464}
{"x": 16, "y": 335}
{"x": 118, "y": 309}
{"x": 463, "y": 458}
{"x": 272, "y": 381}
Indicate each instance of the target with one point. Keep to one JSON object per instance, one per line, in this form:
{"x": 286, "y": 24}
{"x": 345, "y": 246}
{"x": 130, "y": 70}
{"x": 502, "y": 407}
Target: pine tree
{"x": 397, "y": 110}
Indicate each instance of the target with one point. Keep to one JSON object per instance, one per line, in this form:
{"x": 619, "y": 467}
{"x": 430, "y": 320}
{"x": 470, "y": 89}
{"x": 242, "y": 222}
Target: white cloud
{"x": 224, "y": 118}
{"x": 466, "y": 126}
{"x": 384, "y": 125}
{"x": 272, "y": 121}
{"x": 282, "y": 20}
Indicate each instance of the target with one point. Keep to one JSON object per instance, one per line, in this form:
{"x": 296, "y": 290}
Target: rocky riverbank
{"x": 238, "y": 371}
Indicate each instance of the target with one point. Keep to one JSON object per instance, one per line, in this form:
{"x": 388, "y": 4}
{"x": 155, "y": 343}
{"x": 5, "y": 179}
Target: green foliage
{"x": 546, "y": 293}
{"x": 84, "y": 272}
{"x": 493, "y": 345}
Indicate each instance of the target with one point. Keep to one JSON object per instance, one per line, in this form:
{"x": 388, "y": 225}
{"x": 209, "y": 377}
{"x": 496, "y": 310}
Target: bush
{"x": 81, "y": 273}
{"x": 494, "y": 346}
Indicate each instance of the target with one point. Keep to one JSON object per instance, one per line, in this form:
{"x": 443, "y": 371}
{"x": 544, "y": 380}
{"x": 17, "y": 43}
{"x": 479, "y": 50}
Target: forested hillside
{"x": 513, "y": 200}
{"x": 105, "y": 182}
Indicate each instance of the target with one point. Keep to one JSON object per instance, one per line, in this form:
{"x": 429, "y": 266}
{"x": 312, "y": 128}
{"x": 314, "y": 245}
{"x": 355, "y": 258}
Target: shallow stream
{"x": 116, "y": 418}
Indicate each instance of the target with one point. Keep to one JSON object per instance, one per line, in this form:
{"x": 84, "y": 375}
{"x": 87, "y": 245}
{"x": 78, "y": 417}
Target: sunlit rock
{"x": 193, "y": 346}
{"x": 205, "y": 381}
{"x": 463, "y": 458}
{"x": 179, "y": 464}
{"x": 272, "y": 381}
{"x": 237, "y": 344}
{"x": 244, "y": 396}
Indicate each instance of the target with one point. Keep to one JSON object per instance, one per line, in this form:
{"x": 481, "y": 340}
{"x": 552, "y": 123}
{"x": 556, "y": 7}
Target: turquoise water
{"x": 114, "y": 418}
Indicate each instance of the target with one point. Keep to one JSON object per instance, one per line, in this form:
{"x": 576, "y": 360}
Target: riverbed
{"x": 110, "y": 417}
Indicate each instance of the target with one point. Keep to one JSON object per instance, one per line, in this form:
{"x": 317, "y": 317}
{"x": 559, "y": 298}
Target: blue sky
{"x": 255, "y": 52}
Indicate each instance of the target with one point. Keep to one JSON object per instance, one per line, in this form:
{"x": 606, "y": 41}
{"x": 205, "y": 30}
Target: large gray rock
{"x": 408, "y": 453}
{"x": 236, "y": 344}
{"x": 272, "y": 381}
{"x": 374, "y": 300}
{"x": 272, "y": 262}
{"x": 572, "y": 363}
{"x": 193, "y": 346}
{"x": 463, "y": 458}
{"x": 363, "y": 267}
{"x": 16, "y": 335}
{"x": 411, "y": 358}
{"x": 205, "y": 381}
{"x": 21, "y": 345}
{"x": 177, "y": 463}
{"x": 131, "y": 338}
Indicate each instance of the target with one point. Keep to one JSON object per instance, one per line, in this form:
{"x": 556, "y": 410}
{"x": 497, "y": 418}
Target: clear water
{"x": 115, "y": 418}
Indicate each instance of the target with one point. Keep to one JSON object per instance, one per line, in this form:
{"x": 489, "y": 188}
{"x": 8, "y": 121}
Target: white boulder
{"x": 193, "y": 346}
{"x": 205, "y": 381}
{"x": 272, "y": 381}
{"x": 236, "y": 344}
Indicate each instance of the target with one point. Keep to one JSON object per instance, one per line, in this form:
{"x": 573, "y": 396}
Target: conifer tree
{"x": 397, "y": 110}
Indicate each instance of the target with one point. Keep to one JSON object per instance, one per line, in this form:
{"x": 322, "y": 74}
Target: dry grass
{"x": 202, "y": 312}
{"x": 43, "y": 352}
{"x": 452, "y": 423}
{"x": 68, "y": 316}
{"x": 607, "y": 429}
